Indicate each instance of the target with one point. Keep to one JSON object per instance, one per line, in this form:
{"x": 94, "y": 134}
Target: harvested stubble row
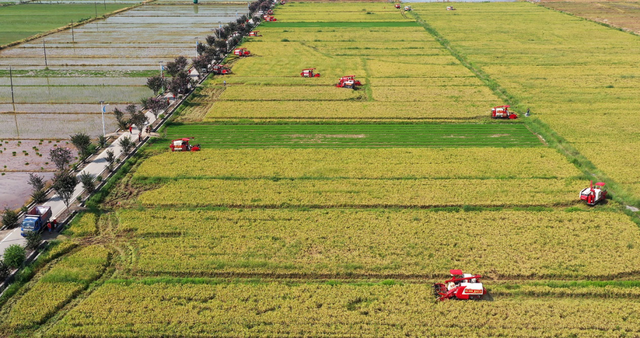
{"x": 450, "y": 163}
{"x": 382, "y": 243}
{"x": 320, "y": 310}
{"x": 363, "y": 193}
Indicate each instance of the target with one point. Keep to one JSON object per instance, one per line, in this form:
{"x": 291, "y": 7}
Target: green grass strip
{"x": 354, "y": 135}
{"x": 339, "y": 24}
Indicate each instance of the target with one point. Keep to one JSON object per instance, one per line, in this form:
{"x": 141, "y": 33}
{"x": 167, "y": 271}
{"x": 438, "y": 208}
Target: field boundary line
{"x": 536, "y": 125}
{"x": 77, "y": 24}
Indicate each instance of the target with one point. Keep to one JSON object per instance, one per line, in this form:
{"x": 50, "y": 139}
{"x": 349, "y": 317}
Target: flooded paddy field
{"x": 107, "y": 60}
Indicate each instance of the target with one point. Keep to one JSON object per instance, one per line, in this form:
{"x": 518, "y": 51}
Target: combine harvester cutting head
{"x": 182, "y": 144}
{"x": 308, "y": 72}
{"x": 241, "y": 52}
{"x": 348, "y": 81}
{"x": 460, "y": 286}
{"x": 502, "y": 112}
{"x": 593, "y": 195}
{"x": 220, "y": 70}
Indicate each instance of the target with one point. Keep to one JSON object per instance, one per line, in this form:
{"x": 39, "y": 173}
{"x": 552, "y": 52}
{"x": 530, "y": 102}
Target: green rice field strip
{"x": 355, "y": 135}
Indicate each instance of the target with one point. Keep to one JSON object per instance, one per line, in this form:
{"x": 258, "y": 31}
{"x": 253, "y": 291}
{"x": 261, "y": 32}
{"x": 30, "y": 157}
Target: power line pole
{"x": 44, "y": 49}
{"x": 13, "y": 101}
{"x": 73, "y": 36}
{"x": 96, "y": 7}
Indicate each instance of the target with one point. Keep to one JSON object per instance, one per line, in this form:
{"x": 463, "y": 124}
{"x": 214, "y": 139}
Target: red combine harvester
{"x": 594, "y": 195}
{"x": 398, "y": 6}
{"x": 450, "y": 8}
{"x": 309, "y": 73}
{"x": 241, "y": 52}
{"x": 348, "y": 81}
{"x": 407, "y": 8}
{"x": 220, "y": 70}
{"x": 255, "y": 33}
{"x": 269, "y": 18}
{"x": 182, "y": 144}
{"x": 460, "y": 286}
{"x": 502, "y": 112}
{"x": 270, "y": 12}
{"x": 283, "y": 2}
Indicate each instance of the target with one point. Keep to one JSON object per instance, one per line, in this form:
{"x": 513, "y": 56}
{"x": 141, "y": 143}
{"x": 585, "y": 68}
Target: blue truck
{"x": 35, "y": 220}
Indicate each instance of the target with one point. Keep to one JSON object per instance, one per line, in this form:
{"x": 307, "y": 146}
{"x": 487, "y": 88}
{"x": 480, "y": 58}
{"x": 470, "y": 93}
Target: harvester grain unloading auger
{"x": 461, "y": 286}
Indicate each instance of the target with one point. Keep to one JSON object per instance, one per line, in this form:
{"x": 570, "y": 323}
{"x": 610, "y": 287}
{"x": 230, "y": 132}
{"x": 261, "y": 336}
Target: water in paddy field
{"x": 91, "y": 65}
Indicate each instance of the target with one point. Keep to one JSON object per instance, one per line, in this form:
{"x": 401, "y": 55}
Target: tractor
{"x": 593, "y": 195}
{"x": 309, "y": 73}
{"x": 182, "y": 144}
{"x": 255, "y": 33}
{"x": 397, "y": 6}
{"x": 241, "y": 52}
{"x": 269, "y": 18}
{"x": 348, "y": 81}
{"x": 461, "y": 286}
{"x": 220, "y": 70}
{"x": 502, "y": 112}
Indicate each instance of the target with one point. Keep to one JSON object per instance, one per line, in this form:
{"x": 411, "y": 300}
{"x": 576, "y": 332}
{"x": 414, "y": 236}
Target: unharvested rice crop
{"x": 363, "y": 193}
{"x": 289, "y": 93}
{"x": 451, "y": 163}
{"x": 383, "y": 243}
{"x": 56, "y": 287}
{"x": 322, "y": 310}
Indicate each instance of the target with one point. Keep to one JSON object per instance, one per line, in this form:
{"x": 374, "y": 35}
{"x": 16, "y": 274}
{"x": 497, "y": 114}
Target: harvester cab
{"x": 182, "y": 144}
{"x": 398, "y": 6}
{"x": 462, "y": 286}
{"x": 594, "y": 195}
{"x": 309, "y": 73}
{"x": 241, "y": 52}
{"x": 221, "y": 70}
{"x": 502, "y": 112}
{"x": 255, "y": 33}
{"x": 348, "y": 81}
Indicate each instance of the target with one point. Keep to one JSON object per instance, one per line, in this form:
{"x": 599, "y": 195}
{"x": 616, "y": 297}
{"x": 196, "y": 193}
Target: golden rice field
{"x": 337, "y": 238}
{"x": 321, "y": 310}
{"x": 382, "y": 244}
{"x": 577, "y": 76}
{"x": 425, "y": 163}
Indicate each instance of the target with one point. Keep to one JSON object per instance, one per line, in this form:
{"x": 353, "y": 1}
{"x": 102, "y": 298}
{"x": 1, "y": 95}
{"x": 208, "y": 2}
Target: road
{"x": 96, "y": 167}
